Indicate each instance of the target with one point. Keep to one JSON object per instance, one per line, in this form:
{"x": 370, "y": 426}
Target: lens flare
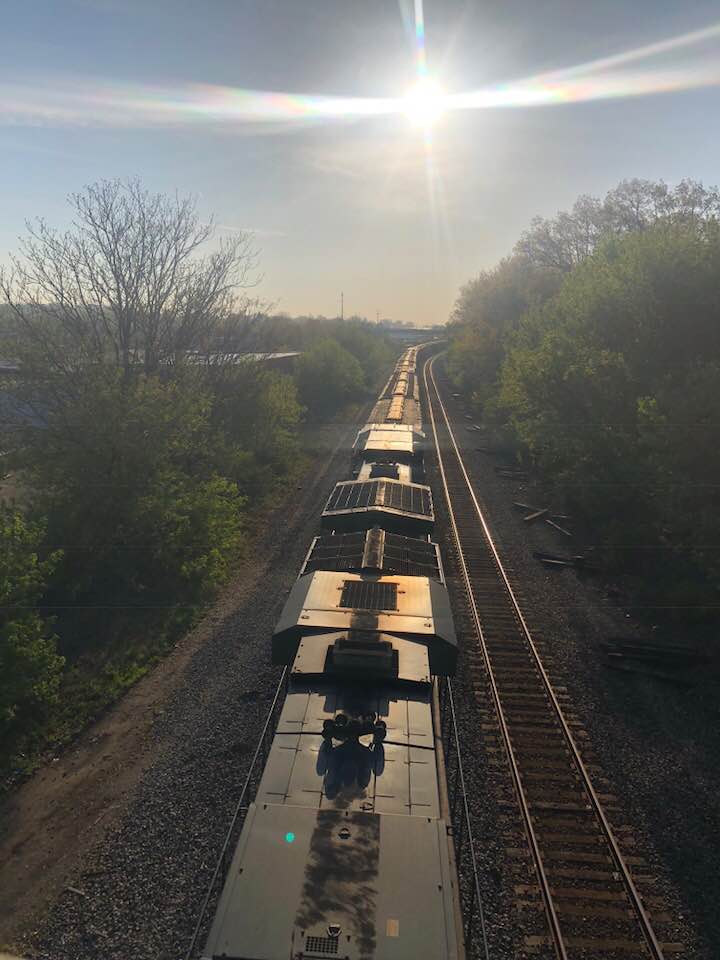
{"x": 424, "y": 103}
{"x": 57, "y": 101}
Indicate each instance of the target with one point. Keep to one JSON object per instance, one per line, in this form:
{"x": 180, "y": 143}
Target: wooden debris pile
{"x": 579, "y": 562}
{"x": 540, "y": 513}
{"x": 660, "y": 658}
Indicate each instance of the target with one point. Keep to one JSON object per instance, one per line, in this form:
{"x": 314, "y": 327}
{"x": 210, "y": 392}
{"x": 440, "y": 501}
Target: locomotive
{"x": 346, "y": 850}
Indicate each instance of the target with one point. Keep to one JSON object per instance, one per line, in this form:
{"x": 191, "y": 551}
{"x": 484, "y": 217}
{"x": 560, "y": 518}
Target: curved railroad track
{"x": 593, "y": 908}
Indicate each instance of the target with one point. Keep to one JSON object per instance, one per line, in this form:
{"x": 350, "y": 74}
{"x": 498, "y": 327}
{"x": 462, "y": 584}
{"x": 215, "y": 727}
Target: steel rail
{"x": 622, "y": 867}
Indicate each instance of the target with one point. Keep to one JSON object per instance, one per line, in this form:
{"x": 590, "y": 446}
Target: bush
{"x": 125, "y": 473}
{"x": 329, "y": 377}
{"x": 29, "y": 665}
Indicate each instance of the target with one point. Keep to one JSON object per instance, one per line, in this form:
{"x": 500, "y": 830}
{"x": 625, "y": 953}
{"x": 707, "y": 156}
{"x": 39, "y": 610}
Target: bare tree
{"x": 132, "y": 282}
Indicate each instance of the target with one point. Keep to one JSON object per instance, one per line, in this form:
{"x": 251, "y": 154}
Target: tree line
{"x": 139, "y": 441}
{"x": 595, "y": 349}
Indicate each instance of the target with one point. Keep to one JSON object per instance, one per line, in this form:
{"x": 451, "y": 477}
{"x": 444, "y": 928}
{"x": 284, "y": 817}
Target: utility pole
{"x": 342, "y": 305}
{"x": 377, "y": 316}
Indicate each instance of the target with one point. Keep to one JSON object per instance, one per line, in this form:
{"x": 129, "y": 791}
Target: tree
{"x": 486, "y": 312}
{"x": 371, "y": 350}
{"x": 564, "y": 241}
{"x": 329, "y": 377}
{"x": 255, "y": 414}
{"x": 677, "y": 428}
{"x": 29, "y": 665}
{"x": 126, "y": 476}
{"x": 127, "y": 284}
{"x": 610, "y": 384}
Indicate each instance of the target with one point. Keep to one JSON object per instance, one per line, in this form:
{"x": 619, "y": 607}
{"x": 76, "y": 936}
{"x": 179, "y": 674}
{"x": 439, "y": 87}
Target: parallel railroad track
{"x": 585, "y": 885}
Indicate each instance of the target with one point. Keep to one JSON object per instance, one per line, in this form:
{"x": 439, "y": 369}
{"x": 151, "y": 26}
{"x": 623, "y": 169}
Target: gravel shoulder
{"x": 106, "y": 851}
{"x": 656, "y": 743}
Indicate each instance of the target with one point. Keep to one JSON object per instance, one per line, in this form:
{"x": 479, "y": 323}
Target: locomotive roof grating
{"x": 406, "y": 556}
{"x": 369, "y": 595}
{"x": 409, "y": 498}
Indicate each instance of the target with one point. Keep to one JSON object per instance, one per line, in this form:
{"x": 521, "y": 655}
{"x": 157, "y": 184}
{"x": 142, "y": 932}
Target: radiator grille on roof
{"x": 401, "y": 555}
{"x": 368, "y": 595}
{"x": 345, "y": 496}
{"x": 321, "y": 946}
{"x": 354, "y": 494}
{"x": 409, "y": 499}
{"x": 414, "y": 558}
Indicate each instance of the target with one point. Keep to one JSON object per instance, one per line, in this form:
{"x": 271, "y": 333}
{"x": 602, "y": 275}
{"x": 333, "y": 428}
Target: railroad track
{"x": 585, "y": 885}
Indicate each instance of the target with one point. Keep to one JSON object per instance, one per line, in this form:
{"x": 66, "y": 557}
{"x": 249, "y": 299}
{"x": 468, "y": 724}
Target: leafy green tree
{"x": 255, "y": 416}
{"x": 30, "y": 668}
{"x": 678, "y": 437}
{"x": 329, "y": 377}
{"x": 608, "y": 373}
{"x": 372, "y": 350}
{"x": 125, "y": 474}
{"x": 594, "y": 375}
{"x": 487, "y": 311}
{"x": 134, "y": 431}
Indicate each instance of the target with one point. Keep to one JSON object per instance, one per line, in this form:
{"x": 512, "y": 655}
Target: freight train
{"x": 346, "y": 850}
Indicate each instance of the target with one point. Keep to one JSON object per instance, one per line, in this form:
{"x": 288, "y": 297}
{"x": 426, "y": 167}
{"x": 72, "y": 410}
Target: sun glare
{"x": 423, "y": 104}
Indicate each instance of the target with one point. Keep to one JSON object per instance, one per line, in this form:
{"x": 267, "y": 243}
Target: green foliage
{"x": 255, "y": 416}
{"x": 604, "y": 363}
{"x": 366, "y": 342}
{"x": 486, "y": 312}
{"x": 613, "y": 387}
{"x": 329, "y": 377}
{"x": 371, "y": 350}
{"x": 678, "y": 438}
{"x": 192, "y": 531}
{"x": 124, "y": 473}
{"x": 29, "y": 665}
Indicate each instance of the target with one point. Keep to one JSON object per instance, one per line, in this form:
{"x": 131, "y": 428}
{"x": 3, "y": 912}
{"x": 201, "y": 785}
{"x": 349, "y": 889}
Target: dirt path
{"x": 51, "y": 822}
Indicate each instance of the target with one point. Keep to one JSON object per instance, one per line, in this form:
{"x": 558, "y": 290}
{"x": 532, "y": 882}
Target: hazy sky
{"x": 341, "y": 198}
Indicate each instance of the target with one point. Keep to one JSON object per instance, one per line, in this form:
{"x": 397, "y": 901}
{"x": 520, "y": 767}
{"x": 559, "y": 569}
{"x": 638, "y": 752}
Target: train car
{"x": 346, "y": 851}
{"x": 399, "y": 401}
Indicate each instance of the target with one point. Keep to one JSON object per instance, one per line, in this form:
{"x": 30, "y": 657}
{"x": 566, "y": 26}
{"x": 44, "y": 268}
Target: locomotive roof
{"x": 385, "y": 497}
{"x": 376, "y": 549}
{"x": 325, "y": 601}
{"x": 389, "y": 437}
{"x": 294, "y": 880}
{"x": 396, "y": 604}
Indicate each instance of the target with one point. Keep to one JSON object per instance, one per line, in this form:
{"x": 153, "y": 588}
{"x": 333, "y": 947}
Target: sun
{"x": 423, "y": 104}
